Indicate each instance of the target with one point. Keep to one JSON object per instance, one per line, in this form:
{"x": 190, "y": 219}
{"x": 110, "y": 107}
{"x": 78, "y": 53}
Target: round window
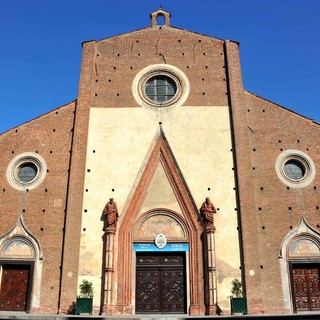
{"x": 295, "y": 168}
{"x": 160, "y": 88}
{"x": 160, "y": 85}
{"x": 26, "y": 170}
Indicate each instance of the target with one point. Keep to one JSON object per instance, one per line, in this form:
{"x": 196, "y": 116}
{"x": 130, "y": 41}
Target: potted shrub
{"x": 85, "y": 299}
{"x": 237, "y": 300}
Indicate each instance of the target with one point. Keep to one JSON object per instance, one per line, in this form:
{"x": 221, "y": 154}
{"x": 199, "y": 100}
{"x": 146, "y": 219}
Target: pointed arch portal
{"x": 182, "y": 227}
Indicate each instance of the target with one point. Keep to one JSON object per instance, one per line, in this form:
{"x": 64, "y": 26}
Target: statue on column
{"x": 207, "y": 211}
{"x": 111, "y": 211}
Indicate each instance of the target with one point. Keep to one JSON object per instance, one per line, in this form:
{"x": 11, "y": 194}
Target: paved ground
{"x": 25, "y": 316}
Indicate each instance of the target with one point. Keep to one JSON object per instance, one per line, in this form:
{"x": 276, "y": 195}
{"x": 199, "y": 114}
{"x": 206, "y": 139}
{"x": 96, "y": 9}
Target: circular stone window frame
{"x": 17, "y": 162}
{"x": 304, "y": 160}
{"x": 172, "y": 72}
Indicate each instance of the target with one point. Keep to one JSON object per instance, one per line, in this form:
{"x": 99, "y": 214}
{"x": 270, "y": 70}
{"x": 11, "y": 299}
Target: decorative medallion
{"x": 160, "y": 240}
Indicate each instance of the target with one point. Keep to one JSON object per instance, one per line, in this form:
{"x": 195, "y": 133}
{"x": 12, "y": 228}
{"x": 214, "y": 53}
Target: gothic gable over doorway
{"x": 161, "y": 195}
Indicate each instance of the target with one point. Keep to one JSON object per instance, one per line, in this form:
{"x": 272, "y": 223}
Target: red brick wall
{"x": 117, "y": 60}
{"x": 261, "y": 130}
{"x": 44, "y": 207}
{"x": 275, "y": 209}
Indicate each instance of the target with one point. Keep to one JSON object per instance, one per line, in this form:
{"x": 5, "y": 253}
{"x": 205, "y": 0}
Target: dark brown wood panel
{"x": 148, "y": 293}
{"x": 160, "y": 283}
{"x": 14, "y": 287}
{"x": 306, "y": 287}
{"x": 173, "y": 291}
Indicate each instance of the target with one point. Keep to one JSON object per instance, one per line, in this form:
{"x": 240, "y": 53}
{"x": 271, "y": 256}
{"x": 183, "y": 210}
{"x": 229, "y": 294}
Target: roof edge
{"x": 282, "y": 107}
{"x": 152, "y": 27}
{"x": 42, "y": 115}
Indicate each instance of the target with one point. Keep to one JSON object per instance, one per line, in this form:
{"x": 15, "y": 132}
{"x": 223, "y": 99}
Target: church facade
{"x": 161, "y": 183}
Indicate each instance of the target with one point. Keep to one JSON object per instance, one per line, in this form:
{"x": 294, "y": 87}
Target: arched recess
{"x": 160, "y": 154}
{"x": 299, "y": 257}
{"x": 160, "y": 220}
{"x": 20, "y": 253}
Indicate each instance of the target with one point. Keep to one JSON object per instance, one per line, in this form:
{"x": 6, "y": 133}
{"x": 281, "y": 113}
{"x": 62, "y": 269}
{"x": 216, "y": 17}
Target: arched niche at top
{"x": 18, "y": 248}
{"x": 303, "y": 247}
{"x": 160, "y": 221}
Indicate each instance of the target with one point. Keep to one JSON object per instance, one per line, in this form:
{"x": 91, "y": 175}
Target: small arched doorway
{"x": 20, "y": 269}
{"x": 300, "y": 268}
{"x": 304, "y": 265}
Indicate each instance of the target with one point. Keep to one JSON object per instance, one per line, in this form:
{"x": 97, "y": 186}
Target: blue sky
{"x": 41, "y": 46}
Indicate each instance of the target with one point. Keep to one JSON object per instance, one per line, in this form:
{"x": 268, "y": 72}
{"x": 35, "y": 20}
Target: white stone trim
{"x": 20, "y": 159}
{"x": 303, "y": 159}
{"x": 303, "y": 230}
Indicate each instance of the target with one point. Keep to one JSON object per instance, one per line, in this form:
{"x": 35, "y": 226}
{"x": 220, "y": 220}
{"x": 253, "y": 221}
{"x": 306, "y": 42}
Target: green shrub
{"x": 86, "y": 289}
{"x": 236, "y": 289}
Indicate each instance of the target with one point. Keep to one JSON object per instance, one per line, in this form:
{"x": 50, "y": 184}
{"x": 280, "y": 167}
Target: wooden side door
{"x": 160, "y": 283}
{"x": 306, "y": 287}
{"x": 14, "y": 287}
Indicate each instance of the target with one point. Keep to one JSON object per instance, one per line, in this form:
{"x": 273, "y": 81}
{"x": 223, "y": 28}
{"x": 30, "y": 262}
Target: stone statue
{"x": 111, "y": 211}
{"x": 207, "y": 211}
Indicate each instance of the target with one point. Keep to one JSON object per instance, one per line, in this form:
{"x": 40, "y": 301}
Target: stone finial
{"x": 160, "y": 13}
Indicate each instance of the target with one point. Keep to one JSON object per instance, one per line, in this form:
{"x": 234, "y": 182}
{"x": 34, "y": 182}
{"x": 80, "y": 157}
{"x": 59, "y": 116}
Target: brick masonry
{"x": 267, "y": 209}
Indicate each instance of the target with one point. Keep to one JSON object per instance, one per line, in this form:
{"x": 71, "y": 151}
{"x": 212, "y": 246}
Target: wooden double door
{"x": 306, "y": 287}
{"x": 160, "y": 283}
{"x": 14, "y": 287}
